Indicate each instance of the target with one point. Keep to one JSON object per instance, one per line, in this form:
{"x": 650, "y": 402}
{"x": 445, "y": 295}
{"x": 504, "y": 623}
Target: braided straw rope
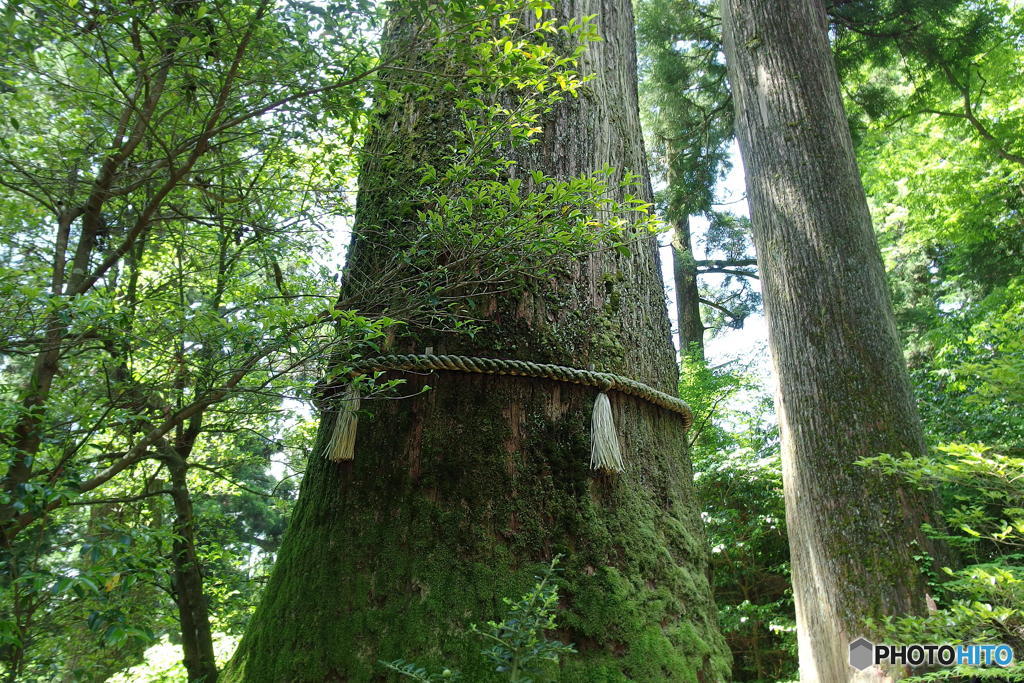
{"x": 604, "y": 381}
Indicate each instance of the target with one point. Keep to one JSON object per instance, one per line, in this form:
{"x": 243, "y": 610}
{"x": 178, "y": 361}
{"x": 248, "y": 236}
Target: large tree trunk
{"x": 457, "y": 497}
{"x": 843, "y": 387}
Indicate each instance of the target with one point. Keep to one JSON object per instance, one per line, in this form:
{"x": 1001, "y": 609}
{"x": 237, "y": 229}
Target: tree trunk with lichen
{"x": 844, "y": 393}
{"x": 456, "y": 498}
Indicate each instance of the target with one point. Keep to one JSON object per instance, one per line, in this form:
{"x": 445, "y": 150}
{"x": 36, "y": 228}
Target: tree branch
{"x": 965, "y": 93}
{"x": 125, "y": 499}
{"x": 719, "y": 307}
{"x": 729, "y": 271}
{"x": 726, "y": 263}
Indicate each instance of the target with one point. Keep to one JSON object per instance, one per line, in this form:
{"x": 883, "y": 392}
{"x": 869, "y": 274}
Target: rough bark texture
{"x": 457, "y": 498}
{"x": 843, "y": 386}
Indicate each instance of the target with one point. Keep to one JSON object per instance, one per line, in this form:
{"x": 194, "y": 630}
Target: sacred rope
{"x": 604, "y": 443}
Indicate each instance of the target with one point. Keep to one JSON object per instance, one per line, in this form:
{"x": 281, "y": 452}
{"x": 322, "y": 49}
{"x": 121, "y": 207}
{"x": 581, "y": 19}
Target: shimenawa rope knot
{"x": 604, "y": 451}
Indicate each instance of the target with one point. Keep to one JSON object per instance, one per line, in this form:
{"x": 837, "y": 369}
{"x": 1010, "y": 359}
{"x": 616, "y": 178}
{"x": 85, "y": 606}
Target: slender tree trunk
{"x": 13, "y": 654}
{"x": 691, "y": 327}
{"x": 456, "y": 498}
{"x": 26, "y": 436}
{"x": 684, "y": 270}
{"x": 843, "y": 387}
{"x": 193, "y": 611}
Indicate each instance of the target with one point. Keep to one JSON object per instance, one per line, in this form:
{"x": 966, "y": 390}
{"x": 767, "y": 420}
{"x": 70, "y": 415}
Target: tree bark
{"x": 843, "y": 386}
{"x": 187, "y": 584}
{"x": 684, "y": 269}
{"x": 456, "y": 498}
{"x": 691, "y": 327}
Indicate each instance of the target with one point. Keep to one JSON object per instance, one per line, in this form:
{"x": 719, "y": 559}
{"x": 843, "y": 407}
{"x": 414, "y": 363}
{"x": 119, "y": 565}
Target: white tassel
{"x": 604, "y": 443}
{"x": 342, "y": 443}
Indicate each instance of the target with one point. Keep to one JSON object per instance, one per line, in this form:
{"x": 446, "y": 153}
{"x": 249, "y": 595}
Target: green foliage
{"x": 738, "y": 480}
{"x": 932, "y": 92}
{"x": 982, "y": 601}
{"x": 688, "y": 115}
{"x": 727, "y": 239}
{"x": 161, "y": 662}
{"x": 686, "y": 100}
{"x": 418, "y": 673}
{"x": 521, "y": 650}
{"x": 475, "y": 220}
{"x": 931, "y": 60}
{"x": 171, "y": 176}
{"x": 938, "y": 151}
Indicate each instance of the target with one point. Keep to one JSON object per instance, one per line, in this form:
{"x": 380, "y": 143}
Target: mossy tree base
{"x": 393, "y": 555}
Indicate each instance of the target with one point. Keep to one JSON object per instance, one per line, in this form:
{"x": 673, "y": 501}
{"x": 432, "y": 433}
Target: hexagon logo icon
{"x": 862, "y": 654}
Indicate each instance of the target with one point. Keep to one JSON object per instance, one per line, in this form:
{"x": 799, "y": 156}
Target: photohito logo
{"x": 864, "y": 653}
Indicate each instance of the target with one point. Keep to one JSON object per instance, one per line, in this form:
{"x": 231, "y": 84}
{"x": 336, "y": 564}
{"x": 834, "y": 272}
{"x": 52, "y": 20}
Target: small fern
{"x": 418, "y": 673}
{"x": 520, "y": 650}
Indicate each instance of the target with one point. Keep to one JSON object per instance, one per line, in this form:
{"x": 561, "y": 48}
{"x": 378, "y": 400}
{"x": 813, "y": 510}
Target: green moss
{"x": 394, "y": 555}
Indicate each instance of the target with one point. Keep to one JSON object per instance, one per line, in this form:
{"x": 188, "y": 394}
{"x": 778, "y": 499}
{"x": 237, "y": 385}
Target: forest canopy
{"x": 214, "y": 212}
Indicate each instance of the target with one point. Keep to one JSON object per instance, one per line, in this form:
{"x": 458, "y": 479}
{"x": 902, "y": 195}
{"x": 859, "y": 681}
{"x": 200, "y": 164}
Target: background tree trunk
{"x": 187, "y": 582}
{"x": 457, "y": 497}
{"x": 684, "y": 268}
{"x": 691, "y": 327}
{"x": 843, "y": 387}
